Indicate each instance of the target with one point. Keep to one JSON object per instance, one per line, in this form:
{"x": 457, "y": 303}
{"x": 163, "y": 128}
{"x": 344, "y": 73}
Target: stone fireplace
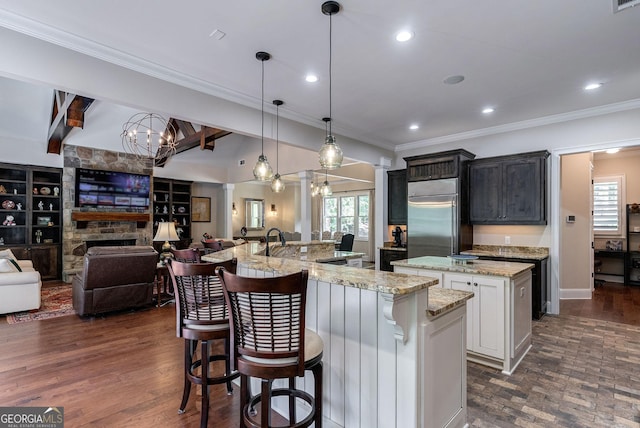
{"x": 80, "y": 227}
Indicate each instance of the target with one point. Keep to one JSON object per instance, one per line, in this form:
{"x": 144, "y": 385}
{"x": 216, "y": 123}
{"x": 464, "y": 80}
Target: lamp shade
{"x": 166, "y": 232}
{"x": 330, "y": 154}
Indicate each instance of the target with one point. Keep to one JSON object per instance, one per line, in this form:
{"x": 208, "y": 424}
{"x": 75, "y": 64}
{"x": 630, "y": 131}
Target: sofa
{"x": 19, "y": 286}
{"x": 115, "y": 278}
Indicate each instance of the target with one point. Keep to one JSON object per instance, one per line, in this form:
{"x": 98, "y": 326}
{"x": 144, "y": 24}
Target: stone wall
{"x": 73, "y": 238}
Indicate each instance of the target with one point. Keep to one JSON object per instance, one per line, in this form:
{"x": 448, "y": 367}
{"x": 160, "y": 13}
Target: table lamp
{"x": 166, "y": 232}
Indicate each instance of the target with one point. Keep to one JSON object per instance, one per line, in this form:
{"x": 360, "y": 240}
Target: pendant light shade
{"x": 262, "y": 171}
{"x": 277, "y": 184}
{"x": 315, "y": 188}
{"x": 325, "y": 189}
{"x": 330, "y": 155}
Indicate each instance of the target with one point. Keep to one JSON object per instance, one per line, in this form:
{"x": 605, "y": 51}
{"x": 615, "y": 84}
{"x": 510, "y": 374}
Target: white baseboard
{"x": 567, "y": 293}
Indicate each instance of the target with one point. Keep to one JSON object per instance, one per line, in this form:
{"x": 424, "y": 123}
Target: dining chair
{"x": 347, "y": 242}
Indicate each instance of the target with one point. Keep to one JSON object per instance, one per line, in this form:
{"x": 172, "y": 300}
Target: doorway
{"x": 571, "y": 276}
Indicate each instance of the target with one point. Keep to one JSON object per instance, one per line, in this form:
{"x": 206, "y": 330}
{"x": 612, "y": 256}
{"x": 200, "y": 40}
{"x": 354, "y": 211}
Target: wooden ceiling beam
{"x": 67, "y": 113}
{"x": 205, "y": 139}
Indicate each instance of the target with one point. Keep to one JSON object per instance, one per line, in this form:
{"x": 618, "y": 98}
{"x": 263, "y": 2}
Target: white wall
{"x": 284, "y": 202}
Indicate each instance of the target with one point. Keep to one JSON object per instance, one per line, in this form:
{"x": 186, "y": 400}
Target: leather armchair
{"x": 115, "y": 278}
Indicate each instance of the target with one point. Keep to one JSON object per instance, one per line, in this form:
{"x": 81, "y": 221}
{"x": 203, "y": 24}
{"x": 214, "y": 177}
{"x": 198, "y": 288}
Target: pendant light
{"x": 330, "y": 153}
{"x": 326, "y": 190}
{"x": 262, "y": 171}
{"x": 315, "y": 187}
{"x": 277, "y": 184}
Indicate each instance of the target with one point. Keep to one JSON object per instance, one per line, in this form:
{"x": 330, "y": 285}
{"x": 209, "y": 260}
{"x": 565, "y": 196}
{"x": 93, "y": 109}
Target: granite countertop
{"x": 369, "y": 279}
{"x": 393, "y": 248}
{"x": 443, "y": 300}
{"x": 509, "y": 252}
{"x": 439, "y": 300}
{"x": 474, "y": 267}
{"x": 340, "y": 255}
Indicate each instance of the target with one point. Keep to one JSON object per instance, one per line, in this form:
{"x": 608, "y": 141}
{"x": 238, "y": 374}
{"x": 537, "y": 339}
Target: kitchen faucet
{"x": 280, "y": 235}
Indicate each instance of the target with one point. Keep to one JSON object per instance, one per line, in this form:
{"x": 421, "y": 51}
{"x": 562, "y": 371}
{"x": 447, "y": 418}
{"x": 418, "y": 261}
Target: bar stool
{"x": 270, "y": 342}
{"x": 201, "y": 317}
{"x": 212, "y": 246}
{"x": 188, "y": 255}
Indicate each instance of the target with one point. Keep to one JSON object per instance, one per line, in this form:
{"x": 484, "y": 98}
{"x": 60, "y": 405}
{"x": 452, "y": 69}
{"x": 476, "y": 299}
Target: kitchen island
{"x": 499, "y": 314}
{"x": 539, "y": 256}
{"x": 394, "y": 345}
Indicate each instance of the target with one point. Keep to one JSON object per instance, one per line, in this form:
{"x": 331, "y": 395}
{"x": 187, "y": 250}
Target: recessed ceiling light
{"x": 488, "y": 110}
{"x": 404, "y": 36}
{"x": 453, "y": 80}
{"x": 414, "y": 127}
{"x": 592, "y": 86}
{"x": 311, "y": 78}
{"x": 612, "y": 151}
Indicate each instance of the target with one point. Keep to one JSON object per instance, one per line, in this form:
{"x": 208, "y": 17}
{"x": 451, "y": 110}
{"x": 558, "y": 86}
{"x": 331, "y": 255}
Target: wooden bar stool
{"x": 201, "y": 317}
{"x": 188, "y": 255}
{"x": 270, "y": 342}
{"x": 212, "y": 246}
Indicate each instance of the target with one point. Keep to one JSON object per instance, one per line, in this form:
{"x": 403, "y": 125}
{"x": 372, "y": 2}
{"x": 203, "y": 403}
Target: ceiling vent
{"x": 620, "y": 5}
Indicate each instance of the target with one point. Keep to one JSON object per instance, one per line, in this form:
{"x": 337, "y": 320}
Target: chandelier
{"x": 150, "y": 136}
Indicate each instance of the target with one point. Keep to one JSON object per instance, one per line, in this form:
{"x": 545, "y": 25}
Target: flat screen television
{"x": 111, "y": 190}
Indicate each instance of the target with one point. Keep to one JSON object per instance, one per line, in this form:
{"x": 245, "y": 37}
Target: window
{"x": 608, "y": 200}
{"x": 348, "y": 213}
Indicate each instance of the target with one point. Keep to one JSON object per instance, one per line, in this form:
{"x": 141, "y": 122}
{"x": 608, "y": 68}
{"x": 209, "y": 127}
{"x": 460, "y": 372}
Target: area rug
{"x": 56, "y": 302}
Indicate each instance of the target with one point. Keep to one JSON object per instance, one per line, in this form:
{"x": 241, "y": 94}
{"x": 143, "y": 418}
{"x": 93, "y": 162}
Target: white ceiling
{"x": 528, "y": 59}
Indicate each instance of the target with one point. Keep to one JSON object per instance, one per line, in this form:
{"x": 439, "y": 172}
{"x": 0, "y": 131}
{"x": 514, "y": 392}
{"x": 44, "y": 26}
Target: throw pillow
{"x": 8, "y": 266}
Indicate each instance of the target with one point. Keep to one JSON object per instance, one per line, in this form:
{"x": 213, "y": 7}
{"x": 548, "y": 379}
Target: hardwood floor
{"x": 611, "y": 302}
{"x": 125, "y": 370}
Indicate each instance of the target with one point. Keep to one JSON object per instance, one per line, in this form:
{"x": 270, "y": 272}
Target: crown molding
{"x": 525, "y": 124}
{"x": 47, "y": 33}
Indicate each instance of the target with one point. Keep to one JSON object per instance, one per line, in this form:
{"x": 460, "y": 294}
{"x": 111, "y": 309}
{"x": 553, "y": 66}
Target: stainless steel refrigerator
{"x": 437, "y": 223}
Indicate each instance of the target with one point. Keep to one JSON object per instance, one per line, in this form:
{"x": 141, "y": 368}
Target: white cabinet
{"x": 485, "y": 312}
{"x": 421, "y": 272}
{"x": 498, "y": 318}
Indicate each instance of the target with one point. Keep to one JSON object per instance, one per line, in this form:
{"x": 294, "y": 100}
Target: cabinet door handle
{"x": 468, "y": 282}
{"x": 475, "y": 284}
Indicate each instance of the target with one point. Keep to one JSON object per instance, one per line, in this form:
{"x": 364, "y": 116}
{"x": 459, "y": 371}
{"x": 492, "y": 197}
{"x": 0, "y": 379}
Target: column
{"x": 227, "y": 210}
{"x": 305, "y": 204}
{"x": 380, "y": 207}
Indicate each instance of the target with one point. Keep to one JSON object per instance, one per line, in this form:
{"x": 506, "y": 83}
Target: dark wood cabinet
{"x": 172, "y": 202}
{"x": 388, "y": 256}
{"x": 509, "y": 189}
{"x": 437, "y": 166}
{"x": 397, "y": 197}
{"x": 31, "y": 209}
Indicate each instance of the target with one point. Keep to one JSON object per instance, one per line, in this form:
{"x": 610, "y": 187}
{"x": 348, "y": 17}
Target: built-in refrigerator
{"x": 437, "y": 220}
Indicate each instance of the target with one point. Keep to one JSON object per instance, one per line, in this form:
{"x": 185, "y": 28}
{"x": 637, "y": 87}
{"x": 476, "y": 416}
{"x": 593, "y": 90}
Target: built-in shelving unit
{"x": 31, "y": 216}
{"x": 172, "y": 202}
{"x": 632, "y": 271}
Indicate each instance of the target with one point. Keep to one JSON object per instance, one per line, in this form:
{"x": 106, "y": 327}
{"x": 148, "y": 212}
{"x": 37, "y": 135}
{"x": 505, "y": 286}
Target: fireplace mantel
{"x": 82, "y": 217}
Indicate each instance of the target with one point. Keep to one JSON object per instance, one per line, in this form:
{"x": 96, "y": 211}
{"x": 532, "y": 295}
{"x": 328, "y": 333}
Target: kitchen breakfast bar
{"x": 394, "y": 345}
